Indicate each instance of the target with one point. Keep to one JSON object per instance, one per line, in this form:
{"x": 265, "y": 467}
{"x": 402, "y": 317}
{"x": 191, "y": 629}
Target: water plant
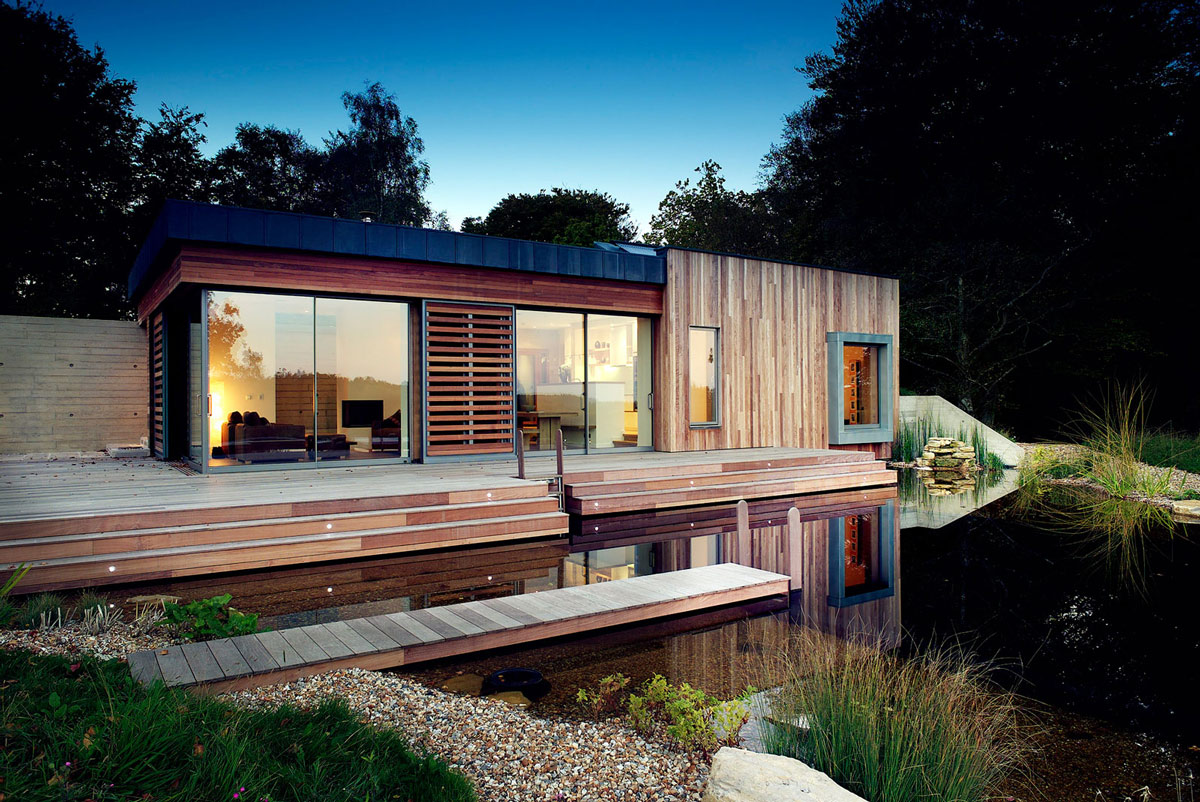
{"x": 1112, "y": 427}
{"x": 893, "y": 729}
{"x": 79, "y": 728}
{"x": 206, "y": 619}
{"x": 914, "y": 433}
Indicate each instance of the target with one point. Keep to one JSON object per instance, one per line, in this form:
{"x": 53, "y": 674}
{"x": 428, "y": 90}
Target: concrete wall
{"x": 71, "y": 385}
{"x": 951, "y": 418}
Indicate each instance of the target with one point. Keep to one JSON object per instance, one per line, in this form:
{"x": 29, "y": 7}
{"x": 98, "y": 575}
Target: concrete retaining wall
{"x": 70, "y": 385}
{"x": 951, "y": 418}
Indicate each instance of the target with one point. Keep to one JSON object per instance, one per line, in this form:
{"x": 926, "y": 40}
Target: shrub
{"x": 80, "y": 728}
{"x": 44, "y": 611}
{"x": 206, "y": 619}
{"x": 606, "y": 698}
{"x": 688, "y": 715}
{"x": 894, "y": 730}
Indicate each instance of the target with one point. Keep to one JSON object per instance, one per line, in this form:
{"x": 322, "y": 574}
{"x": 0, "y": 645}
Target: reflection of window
{"x": 704, "y": 360}
{"x": 861, "y": 553}
{"x": 860, "y": 388}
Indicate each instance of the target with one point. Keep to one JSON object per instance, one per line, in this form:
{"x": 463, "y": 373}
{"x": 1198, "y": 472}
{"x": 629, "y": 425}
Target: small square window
{"x": 704, "y": 370}
{"x": 862, "y": 557}
{"x": 860, "y": 388}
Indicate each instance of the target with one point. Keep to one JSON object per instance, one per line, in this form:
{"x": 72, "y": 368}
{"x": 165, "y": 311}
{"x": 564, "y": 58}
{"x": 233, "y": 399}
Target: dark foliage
{"x": 563, "y": 216}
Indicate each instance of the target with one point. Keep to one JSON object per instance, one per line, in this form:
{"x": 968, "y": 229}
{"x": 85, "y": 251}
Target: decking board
{"x": 452, "y": 629}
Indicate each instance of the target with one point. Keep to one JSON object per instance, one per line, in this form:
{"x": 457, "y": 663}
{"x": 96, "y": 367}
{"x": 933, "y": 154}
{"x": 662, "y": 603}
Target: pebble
{"x": 509, "y": 753}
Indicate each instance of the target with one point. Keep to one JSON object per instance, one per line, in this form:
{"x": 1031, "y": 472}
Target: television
{"x": 361, "y": 414}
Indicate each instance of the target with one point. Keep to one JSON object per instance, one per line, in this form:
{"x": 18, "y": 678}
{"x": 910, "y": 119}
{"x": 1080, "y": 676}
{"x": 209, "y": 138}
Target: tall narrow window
{"x": 704, "y": 362}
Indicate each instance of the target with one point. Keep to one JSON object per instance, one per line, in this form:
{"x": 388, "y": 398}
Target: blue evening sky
{"x": 626, "y": 98}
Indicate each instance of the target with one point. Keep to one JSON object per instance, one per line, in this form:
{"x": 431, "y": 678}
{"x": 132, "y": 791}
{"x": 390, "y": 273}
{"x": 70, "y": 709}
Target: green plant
{"x": 688, "y": 715}
{"x": 1187, "y": 494}
{"x": 206, "y": 619}
{"x": 8, "y": 609}
{"x": 1170, "y": 449}
{"x": 80, "y": 728}
{"x": 44, "y": 611}
{"x": 606, "y": 698}
{"x": 893, "y": 730}
{"x": 913, "y": 434}
{"x": 90, "y": 600}
{"x": 1113, "y": 428}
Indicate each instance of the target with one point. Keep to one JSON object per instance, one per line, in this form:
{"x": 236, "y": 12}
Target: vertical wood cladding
{"x": 470, "y": 402}
{"x": 773, "y": 320}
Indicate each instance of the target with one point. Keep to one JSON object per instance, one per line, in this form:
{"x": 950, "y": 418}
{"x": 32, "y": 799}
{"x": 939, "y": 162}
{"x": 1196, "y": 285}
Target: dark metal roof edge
{"x": 662, "y": 250}
{"x": 190, "y": 221}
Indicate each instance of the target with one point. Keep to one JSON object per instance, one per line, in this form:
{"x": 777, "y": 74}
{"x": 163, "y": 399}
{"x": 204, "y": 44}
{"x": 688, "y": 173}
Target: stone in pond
{"x": 741, "y": 776}
{"x": 514, "y": 698}
{"x": 469, "y": 684}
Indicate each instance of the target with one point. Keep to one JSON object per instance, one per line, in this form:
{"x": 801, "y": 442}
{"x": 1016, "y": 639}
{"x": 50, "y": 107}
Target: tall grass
{"x": 912, "y": 436}
{"x": 81, "y": 728}
{"x": 1113, "y": 427}
{"x": 895, "y": 730}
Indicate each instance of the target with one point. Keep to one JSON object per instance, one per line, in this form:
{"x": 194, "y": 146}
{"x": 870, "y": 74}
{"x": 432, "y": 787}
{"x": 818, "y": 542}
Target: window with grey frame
{"x": 860, "y": 388}
{"x": 704, "y": 377}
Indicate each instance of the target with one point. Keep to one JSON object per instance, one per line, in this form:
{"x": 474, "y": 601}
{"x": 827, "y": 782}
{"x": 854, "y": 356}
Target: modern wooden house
{"x": 288, "y": 341}
{"x": 412, "y": 365}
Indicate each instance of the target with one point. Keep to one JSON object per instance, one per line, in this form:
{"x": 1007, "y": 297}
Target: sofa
{"x": 253, "y": 438}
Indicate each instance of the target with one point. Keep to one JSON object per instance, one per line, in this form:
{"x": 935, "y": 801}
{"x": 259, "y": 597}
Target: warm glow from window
{"x": 703, "y": 362}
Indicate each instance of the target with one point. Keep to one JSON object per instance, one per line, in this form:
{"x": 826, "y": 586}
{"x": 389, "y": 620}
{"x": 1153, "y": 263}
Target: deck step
{"x": 37, "y": 548}
{"x": 694, "y": 463}
{"x": 225, "y": 555}
{"x": 385, "y": 641}
{"x": 601, "y": 503}
{"x": 674, "y": 482}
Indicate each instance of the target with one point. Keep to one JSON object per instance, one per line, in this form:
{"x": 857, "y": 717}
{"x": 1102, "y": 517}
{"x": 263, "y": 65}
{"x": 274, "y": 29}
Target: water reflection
{"x": 842, "y": 555}
{"x": 928, "y": 502}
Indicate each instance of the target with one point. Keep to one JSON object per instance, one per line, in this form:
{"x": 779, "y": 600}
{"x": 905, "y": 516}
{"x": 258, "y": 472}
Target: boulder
{"x": 741, "y": 776}
{"x": 514, "y": 698}
{"x": 1187, "y": 510}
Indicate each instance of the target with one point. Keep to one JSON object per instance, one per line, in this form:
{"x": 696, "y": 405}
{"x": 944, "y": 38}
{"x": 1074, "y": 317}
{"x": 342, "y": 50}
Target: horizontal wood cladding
{"x": 72, "y": 385}
{"x": 470, "y": 401}
{"x": 306, "y": 272}
{"x": 773, "y": 319}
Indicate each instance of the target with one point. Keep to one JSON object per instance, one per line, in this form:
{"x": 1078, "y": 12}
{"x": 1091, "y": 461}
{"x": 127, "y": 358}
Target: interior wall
{"x": 69, "y": 385}
{"x": 773, "y": 319}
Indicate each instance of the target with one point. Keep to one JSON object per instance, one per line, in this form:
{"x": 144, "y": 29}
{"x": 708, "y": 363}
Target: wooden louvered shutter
{"x": 469, "y": 397}
{"x": 158, "y": 380}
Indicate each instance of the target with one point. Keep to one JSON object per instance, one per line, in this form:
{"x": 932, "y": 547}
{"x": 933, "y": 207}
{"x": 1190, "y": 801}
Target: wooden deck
{"x": 397, "y": 639}
{"x": 655, "y": 481}
{"x": 89, "y": 521}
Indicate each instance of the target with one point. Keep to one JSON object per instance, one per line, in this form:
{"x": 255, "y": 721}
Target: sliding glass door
{"x": 295, "y": 380}
{"x": 618, "y": 381}
{"x": 550, "y": 380}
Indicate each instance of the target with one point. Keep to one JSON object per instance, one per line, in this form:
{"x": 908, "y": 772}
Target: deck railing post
{"x": 520, "y": 456}
{"x": 558, "y": 449}
{"x": 794, "y": 540}
{"x": 743, "y": 533}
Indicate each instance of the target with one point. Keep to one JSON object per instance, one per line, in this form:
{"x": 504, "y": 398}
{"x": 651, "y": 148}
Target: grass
{"x": 894, "y": 730}
{"x": 912, "y": 436}
{"x": 85, "y": 730}
{"x": 1170, "y": 449}
{"x": 1112, "y": 428}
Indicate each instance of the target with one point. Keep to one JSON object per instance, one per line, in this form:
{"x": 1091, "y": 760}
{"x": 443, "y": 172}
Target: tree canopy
{"x": 708, "y": 216}
{"x": 563, "y": 216}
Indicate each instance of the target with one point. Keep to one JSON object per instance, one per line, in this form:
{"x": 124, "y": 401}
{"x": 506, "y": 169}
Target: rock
{"x": 1188, "y": 509}
{"x": 469, "y": 684}
{"x": 514, "y": 698}
{"x": 741, "y": 776}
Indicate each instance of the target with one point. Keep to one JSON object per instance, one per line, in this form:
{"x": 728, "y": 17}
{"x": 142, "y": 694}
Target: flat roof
{"x": 206, "y": 223}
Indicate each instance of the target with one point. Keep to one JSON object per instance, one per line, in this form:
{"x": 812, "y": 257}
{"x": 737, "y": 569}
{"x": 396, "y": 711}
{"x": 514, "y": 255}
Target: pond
{"x": 1087, "y": 605}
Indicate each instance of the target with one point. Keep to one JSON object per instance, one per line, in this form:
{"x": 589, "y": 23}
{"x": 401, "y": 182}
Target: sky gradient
{"x": 624, "y": 98}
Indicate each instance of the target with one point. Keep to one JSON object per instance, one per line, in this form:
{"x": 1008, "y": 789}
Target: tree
{"x": 708, "y": 216}
{"x": 991, "y": 154}
{"x": 67, "y": 155}
{"x": 376, "y": 166}
{"x": 268, "y": 168}
{"x": 170, "y": 163}
{"x": 562, "y": 216}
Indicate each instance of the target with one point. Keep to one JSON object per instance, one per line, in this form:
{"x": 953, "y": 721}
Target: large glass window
{"x": 618, "y": 380}
{"x": 362, "y": 379}
{"x": 703, "y": 369}
{"x": 297, "y": 379}
{"x": 550, "y": 374}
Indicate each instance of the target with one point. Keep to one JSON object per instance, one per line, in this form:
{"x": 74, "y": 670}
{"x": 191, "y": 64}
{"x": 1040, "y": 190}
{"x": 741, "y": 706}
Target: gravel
{"x": 508, "y": 753}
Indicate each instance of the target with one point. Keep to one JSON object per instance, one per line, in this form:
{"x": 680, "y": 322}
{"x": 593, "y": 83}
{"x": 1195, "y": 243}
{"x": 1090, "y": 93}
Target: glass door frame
{"x": 205, "y": 467}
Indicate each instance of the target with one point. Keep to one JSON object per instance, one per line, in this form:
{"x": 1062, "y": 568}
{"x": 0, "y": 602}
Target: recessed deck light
{"x": 329, "y": 526}
{"x": 329, "y": 590}
{"x": 112, "y": 568}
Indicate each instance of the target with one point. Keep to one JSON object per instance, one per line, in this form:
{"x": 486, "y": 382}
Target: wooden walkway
{"x": 386, "y": 641}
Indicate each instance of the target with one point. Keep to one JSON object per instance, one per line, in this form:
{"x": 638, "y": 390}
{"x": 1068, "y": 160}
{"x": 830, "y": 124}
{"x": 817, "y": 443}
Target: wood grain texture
{"x": 773, "y": 319}
{"x": 311, "y": 272}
